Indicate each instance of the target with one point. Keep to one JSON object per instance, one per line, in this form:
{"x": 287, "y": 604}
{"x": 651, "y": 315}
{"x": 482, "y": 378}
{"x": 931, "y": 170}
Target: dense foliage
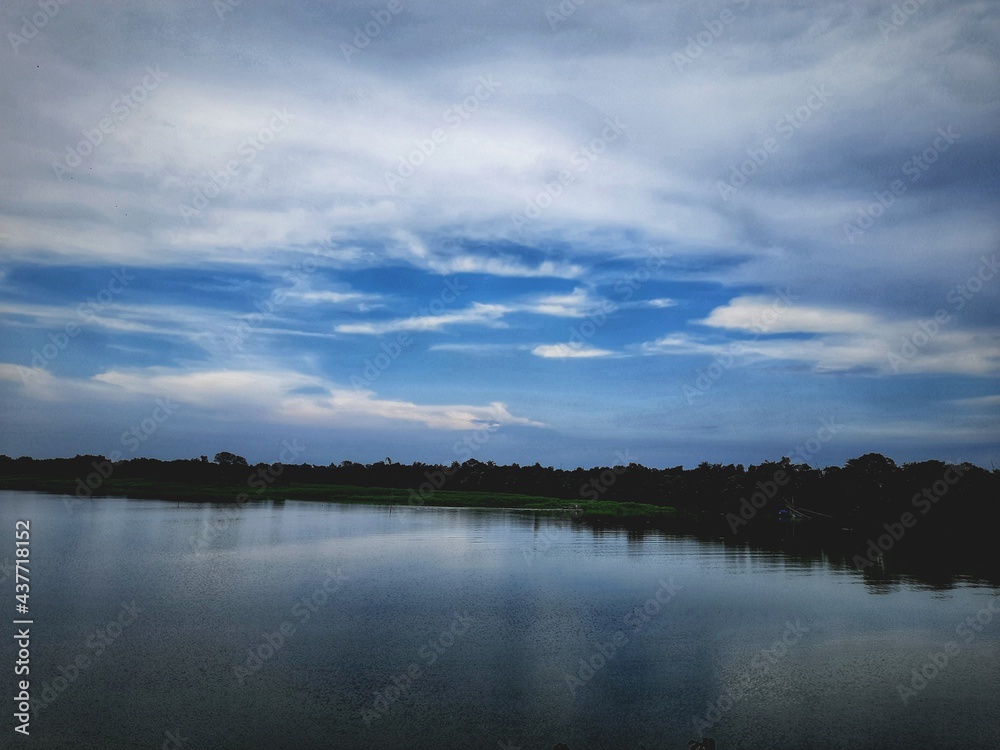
{"x": 931, "y": 518}
{"x": 869, "y": 488}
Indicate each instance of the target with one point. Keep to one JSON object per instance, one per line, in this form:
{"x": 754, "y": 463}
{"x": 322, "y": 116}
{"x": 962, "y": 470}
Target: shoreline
{"x": 933, "y": 560}
{"x": 239, "y": 495}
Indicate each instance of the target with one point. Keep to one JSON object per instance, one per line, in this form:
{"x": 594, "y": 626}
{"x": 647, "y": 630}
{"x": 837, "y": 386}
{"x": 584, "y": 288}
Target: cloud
{"x": 524, "y": 194}
{"x": 36, "y": 382}
{"x": 980, "y": 402}
{"x": 837, "y": 340}
{"x": 661, "y": 302}
{"x": 294, "y": 398}
{"x": 443, "y": 261}
{"x": 360, "y": 301}
{"x": 477, "y": 314}
{"x": 478, "y": 349}
{"x": 508, "y": 266}
{"x": 167, "y": 320}
{"x": 761, "y": 314}
{"x": 218, "y": 331}
{"x": 576, "y": 304}
{"x": 569, "y": 351}
{"x": 323, "y": 176}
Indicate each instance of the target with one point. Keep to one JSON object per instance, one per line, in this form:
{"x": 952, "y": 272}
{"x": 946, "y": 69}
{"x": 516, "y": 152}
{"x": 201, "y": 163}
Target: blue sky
{"x": 565, "y": 233}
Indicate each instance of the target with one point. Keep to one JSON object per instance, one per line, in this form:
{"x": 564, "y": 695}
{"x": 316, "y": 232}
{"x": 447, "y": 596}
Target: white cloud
{"x": 508, "y": 266}
{"x": 661, "y": 302}
{"x": 569, "y": 351}
{"x": 477, "y": 314}
{"x": 291, "y": 397}
{"x": 842, "y": 340}
{"x": 766, "y": 315}
{"x": 360, "y": 301}
{"x": 325, "y": 173}
{"x": 576, "y": 304}
{"x": 217, "y": 331}
{"x": 675, "y": 343}
{"x": 414, "y": 250}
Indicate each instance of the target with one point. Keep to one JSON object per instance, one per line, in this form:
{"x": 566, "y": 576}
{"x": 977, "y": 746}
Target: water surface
{"x": 308, "y": 625}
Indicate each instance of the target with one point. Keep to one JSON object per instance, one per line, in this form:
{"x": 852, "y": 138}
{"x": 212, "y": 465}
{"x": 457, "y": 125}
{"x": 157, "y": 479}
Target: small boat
{"x": 792, "y": 514}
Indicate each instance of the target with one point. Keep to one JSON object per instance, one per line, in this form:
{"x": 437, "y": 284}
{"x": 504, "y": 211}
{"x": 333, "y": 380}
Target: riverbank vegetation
{"x": 870, "y": 504}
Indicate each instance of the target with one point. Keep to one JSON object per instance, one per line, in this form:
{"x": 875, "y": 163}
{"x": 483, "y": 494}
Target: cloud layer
{"x": 557, "y": 219}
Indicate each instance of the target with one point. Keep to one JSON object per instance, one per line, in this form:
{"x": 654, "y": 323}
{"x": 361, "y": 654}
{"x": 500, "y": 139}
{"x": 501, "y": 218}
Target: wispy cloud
{"x": 837, "y": 340}
{"x": 568, "y": 351}
{"x": 660, "y": 302}
{"x": 360, "y": 301}
{"x": 277, "y": 396}
{"x": 478, "y": 314}
{"x": 980, "y": 402}
{"x": 478, "y": 349}
{"x": 576, "y": 304}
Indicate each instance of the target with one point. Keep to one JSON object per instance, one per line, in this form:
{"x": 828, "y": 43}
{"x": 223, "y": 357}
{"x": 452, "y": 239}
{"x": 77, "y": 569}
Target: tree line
{"x": 869, "y": 487}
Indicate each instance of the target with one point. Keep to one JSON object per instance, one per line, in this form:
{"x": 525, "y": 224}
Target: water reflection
{"x": 596, "y": 636}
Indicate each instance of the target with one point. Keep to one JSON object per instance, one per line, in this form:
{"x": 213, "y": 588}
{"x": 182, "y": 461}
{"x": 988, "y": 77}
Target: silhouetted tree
{"x": 225, "y": 458}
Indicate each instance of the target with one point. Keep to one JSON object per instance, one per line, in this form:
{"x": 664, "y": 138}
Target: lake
{"x": 311, "y": 625}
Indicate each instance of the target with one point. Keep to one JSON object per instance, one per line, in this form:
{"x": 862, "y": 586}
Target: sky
{"x": 579, "y": 233}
